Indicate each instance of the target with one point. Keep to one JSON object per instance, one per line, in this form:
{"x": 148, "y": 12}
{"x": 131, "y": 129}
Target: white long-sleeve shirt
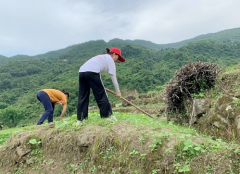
{"x": 102, "y": 64}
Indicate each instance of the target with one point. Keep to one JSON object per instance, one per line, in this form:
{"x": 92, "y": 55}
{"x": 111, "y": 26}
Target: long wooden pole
{"x": 108, "y": 90}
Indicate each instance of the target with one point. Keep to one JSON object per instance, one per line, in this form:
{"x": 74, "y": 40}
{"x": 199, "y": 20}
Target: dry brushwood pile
{"x": 190, "y": 79}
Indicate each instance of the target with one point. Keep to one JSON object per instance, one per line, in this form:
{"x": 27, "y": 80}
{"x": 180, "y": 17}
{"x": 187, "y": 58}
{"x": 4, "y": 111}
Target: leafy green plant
{"x": 72, "y": 168}
{"x": 108, "y": 154}
{"x": 51, "y": 162}
{"x": 133, "y": 153}
{"x": 189, "y": 149}
{"x": 34, "y": 142}
{"x": 154, "y": 172}
{"x": 141, "y": 139}
{"x": 36, "y": 152}
{"x": 93, "y": 169}
{"x": 199, "y": 95}
{"x": 142, "y": 156}
{"x": 164, "y": 134}
{"x": 155, "y": 143}
{"x": 211, "y": 168}
{"x": 36, "y": 157}
{"x": 3, "y": 138}
{"x": 159, "y": 88}
{"x": 184, "y": 169}
{"x": 217, "y": 146}
{"x": 237, "y": 100}
{"x": 169, "y": 150}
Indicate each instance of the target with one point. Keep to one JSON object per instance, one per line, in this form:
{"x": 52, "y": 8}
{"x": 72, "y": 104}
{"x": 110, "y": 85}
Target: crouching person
{"x": 50, "y": 97}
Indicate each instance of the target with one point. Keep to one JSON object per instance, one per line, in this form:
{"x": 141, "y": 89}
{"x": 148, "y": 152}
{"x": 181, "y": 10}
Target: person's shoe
{"x": 114, "y": 118}
{"x": 78, "y": 123}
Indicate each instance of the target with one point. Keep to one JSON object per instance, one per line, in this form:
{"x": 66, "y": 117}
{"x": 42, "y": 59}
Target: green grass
{"x": 9, "y": 131}
{"x": 69, "y": 123}
{"x": 156, "y": 131}
{"x": 5, "y": 134}
{"x": 141, "y": 120}
{"x": 231, "y": 71}
{"x": 3, "y": 138}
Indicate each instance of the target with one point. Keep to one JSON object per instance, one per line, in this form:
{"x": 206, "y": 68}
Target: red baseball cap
{"x": 118, "y": 52}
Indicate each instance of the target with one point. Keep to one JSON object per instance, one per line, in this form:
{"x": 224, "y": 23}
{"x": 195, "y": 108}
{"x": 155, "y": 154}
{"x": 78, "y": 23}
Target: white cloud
{"x": 35, "y": 27}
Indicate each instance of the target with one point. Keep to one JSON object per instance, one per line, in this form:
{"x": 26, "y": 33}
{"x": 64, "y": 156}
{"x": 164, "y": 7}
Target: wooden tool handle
{"x": 108, "y": 90}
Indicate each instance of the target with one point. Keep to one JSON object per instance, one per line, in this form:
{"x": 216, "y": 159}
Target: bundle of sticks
{"x": 190, "y": 79}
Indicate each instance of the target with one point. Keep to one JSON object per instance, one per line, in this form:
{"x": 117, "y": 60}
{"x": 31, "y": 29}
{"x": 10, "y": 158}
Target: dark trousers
{"x": 48, "y": 105}
{"x": 92, "y": 80}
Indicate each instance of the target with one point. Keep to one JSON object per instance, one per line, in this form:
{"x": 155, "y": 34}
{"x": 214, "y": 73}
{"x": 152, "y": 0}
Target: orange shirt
{"x": 56, "y": 95}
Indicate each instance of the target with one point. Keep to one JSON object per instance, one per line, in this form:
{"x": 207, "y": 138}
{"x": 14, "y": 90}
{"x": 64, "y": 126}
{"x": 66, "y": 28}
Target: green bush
{"x": 10, "y": 116}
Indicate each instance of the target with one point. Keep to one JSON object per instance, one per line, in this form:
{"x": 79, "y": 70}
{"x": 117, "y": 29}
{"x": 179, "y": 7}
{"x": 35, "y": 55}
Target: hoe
{"x": 108, "y": 90}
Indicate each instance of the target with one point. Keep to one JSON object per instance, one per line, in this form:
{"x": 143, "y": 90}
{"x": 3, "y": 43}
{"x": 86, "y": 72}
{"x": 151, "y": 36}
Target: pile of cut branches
{"x": 190, "y": 79}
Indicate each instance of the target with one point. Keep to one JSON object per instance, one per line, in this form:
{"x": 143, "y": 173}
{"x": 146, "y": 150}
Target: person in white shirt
{"x": 89, "y": 77}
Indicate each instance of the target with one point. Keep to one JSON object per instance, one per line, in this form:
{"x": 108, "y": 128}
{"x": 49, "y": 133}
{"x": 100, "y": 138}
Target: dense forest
{"x": 145, "y": 69}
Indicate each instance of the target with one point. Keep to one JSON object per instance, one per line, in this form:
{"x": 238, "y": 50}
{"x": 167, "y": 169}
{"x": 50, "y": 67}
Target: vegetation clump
{"x": 190, "y": 79}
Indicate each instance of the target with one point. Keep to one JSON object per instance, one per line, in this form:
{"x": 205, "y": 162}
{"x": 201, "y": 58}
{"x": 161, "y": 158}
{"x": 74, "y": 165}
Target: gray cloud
{"x": 36, "y": 26}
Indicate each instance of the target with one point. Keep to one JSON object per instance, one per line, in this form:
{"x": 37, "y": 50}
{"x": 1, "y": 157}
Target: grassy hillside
{"x": 133, "y": 144}
{"x": 144, "y": 70}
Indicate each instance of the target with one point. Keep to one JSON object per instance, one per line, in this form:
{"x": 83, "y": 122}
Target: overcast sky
{"x": 34, "y": 27}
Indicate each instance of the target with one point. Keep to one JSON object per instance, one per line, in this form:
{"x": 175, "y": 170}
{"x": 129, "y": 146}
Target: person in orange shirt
{"x": 50, "y": 97}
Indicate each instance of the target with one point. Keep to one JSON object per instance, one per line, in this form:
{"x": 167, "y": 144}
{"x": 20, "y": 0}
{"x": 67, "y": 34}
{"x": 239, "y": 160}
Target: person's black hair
{"x": 108, "y": 51}
{"x": 65, "y": 92}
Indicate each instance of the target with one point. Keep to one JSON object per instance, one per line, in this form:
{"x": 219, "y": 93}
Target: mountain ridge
{"x": 232, "y": 35}
{"x": 223, "y": 35}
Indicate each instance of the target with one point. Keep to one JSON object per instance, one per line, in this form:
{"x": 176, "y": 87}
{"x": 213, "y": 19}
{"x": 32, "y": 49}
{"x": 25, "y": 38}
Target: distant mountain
{"x": 20, "y": 57}
{"x": 230, "y": 35}
{"x": 3, "y": 59}
{"x": 78, "y": 49}
{"x": 50, "y": 54}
